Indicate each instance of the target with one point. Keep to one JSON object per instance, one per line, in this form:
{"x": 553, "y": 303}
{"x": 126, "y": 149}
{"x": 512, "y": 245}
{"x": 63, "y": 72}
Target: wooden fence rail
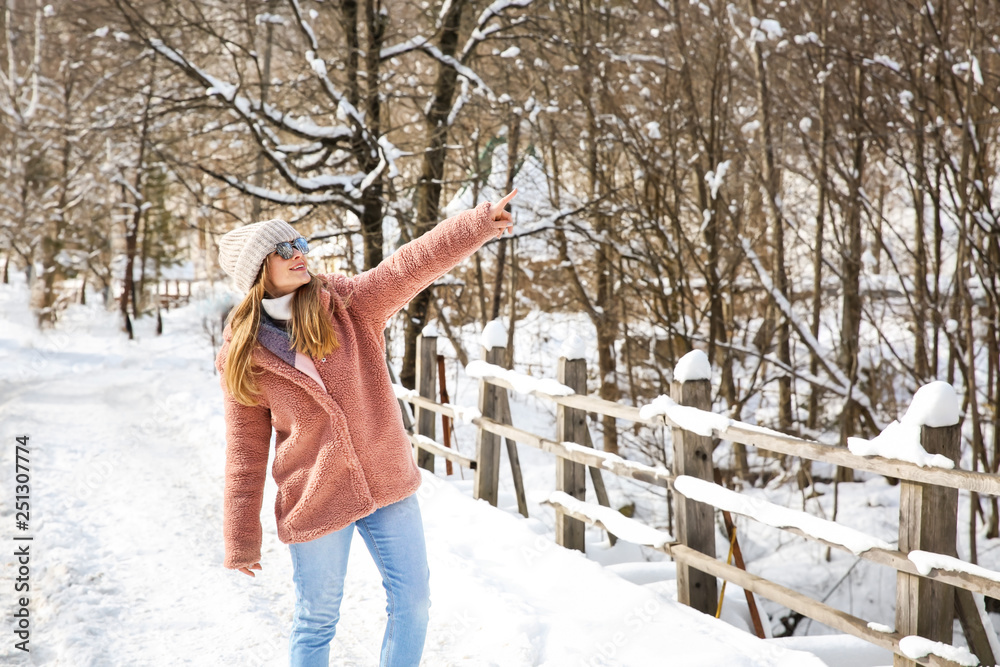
{"x": 927, "y": 602}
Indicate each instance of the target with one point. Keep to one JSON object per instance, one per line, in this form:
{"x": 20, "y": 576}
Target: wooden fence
{"x": 179, "y": 295}
{"x": 167, "y": 293}
{"x": 927, "y": 602}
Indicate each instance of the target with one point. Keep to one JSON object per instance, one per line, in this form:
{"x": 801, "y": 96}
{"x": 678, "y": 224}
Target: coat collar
{"x": 267, "y": 359}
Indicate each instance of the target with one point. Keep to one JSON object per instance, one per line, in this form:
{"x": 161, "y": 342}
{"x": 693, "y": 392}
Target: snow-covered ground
{"x": 127, "y": 447}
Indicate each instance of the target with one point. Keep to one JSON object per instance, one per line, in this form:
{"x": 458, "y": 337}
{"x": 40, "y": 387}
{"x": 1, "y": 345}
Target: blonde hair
{"x": 310, "y": 330}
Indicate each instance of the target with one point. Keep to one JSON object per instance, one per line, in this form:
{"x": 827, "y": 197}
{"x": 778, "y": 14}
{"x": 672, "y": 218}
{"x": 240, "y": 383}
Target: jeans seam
{"x": 392, "y": 593}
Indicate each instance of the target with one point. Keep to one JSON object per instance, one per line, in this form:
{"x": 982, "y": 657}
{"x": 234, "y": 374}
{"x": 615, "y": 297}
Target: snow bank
{"x": 616, "y": 522}
{"x": 522, "y": 384}
{"x": 693, "y": 366}
{"x": 935, "y": 404}
{"x": 838, "y": 650}
{"x": 691, "y": 419}
{"x": 914, "y": 647}
{"x": 776, "y": 516}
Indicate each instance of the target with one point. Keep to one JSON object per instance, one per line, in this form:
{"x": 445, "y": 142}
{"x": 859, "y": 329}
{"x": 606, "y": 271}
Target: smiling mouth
{"x": 298, "y": 267}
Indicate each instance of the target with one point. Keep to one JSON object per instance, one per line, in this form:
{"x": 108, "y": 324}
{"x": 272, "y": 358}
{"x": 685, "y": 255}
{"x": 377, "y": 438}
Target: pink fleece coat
{"x": 340, "y": 453}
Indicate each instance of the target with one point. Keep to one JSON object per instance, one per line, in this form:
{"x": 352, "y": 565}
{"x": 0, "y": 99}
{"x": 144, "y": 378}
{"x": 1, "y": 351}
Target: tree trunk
{"x": 772, "y": 186}
{"x": 265, "y": 85}
{"x": 822, "y": 185}
{"x": 851, "y": 273}
{"x": 432, "y": 174}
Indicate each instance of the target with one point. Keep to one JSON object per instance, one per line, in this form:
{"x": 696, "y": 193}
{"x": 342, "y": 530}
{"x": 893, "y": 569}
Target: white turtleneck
{"x": 280, "y": 308}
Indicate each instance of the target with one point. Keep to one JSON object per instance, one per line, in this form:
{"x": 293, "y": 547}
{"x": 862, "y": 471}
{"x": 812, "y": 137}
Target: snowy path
{"x": 127, "y": 454}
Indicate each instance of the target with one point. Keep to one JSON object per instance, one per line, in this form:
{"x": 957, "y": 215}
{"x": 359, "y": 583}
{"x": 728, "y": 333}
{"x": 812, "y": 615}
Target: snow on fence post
{"x": 693, "y": 456}
{"x": 928, "y": 521}
{"x": 494, "y": 341}
{"x": 426, "y": 387}
{"x": 571, "y": 426}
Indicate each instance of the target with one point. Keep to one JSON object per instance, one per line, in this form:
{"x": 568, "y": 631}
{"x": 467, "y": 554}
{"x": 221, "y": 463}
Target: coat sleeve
{"x": 382, "y": 291}
{"x": 248, "y": 439}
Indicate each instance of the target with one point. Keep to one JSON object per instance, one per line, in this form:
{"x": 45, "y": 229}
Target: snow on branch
{"x": 460, "y": 100}
{"x": 411, "y": 44}
{"x": 319, "y": 67}
{"x": 379, "y": 145}
{"x": 462, "y": 70}
{"x": 117, "y": 178}
{"x": 480, "y": 31}
{"x": 251, "y": 110}
{"x": 257, "y": 115}
{"x": 806, "y": 334}
{"x": 630, "y": 58}
{"x": 776, "y": 515}
{"x": 283, "y": 197}
{"x": 299, "y": 149}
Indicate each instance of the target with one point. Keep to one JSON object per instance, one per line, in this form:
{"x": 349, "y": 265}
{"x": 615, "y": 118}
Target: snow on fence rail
{"x": 932, "y": 584}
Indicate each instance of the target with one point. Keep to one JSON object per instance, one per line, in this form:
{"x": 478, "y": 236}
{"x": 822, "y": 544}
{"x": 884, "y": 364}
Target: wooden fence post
{"x": 928, "y": 520}
{"x": 571, "y": 426}
{"x": 512, "y": 457}
{"x": 695, "y": 521}
{"x": 426, "y": 387}
{"x": 488, "y": 444}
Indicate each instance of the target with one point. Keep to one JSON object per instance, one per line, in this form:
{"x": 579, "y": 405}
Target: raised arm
{"x": 380, "y": 292}
{"x": 248, "y": 439}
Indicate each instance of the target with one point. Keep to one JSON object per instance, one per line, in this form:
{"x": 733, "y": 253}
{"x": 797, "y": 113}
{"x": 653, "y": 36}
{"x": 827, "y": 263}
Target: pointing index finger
{"x": 506, "y": 200}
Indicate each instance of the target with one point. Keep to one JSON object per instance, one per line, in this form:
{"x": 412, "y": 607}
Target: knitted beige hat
{"x": 243, "y": 250}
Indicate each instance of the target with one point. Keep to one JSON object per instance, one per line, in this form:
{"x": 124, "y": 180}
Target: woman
{"x": 304, "y": 354}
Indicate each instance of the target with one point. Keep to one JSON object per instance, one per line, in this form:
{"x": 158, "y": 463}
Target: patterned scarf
{"x": 274, "y": 336}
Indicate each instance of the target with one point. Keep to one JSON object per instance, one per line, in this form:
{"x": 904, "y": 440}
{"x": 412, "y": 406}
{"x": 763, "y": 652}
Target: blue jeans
{"x": 394, "y": 535}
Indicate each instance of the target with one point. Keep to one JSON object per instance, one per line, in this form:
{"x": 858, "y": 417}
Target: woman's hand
{"x": 502, "y": 216}
{"x": 246, "y": 570}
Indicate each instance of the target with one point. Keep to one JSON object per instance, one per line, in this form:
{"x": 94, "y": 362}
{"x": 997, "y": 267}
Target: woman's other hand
{"x": 502, "y": 216}
{"x": 246, "y": 570}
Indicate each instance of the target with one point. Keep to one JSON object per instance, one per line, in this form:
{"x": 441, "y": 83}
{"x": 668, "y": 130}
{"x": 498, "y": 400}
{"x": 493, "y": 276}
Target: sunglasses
{"x": 287, "y": 248}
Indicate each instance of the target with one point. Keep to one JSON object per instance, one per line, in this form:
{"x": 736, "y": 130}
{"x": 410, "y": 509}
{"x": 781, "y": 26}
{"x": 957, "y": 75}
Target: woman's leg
{"x": 395, "y": 537}
{"x": 319, "y": 567}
